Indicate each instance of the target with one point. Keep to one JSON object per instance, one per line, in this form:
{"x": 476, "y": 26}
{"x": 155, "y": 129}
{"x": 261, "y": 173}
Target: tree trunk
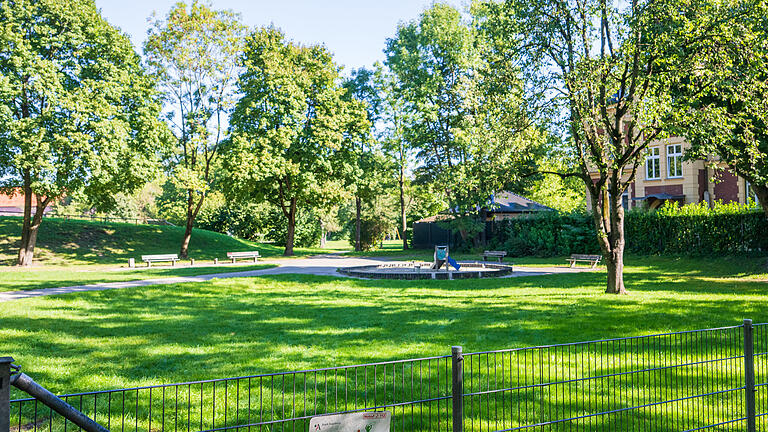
{"x": 403, "y": 222}
{"x": 615, "y": 255}
{"x": 30, "y": 223}
{"x": 289, "y": 237}
{"x": 358, "y": 211}
{"x": 762, "y": 196}
{"x": 323, "y": 236}
{"x": 608, "y": 215}
{"x": 192, "y": 210}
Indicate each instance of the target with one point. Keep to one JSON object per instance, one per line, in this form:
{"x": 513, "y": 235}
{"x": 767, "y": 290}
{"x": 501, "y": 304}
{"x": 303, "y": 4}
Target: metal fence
{"x": 92, "y": 217}
{"x": 712, "y": 379}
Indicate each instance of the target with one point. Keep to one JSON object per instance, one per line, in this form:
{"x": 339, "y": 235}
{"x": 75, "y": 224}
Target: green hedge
{"x": 686, "y": 230}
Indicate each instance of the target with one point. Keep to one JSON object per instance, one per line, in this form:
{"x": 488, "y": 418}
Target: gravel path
{"x": 323, "y": 265}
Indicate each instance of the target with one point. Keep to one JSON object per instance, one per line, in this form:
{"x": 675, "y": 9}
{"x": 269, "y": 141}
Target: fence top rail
{"x": 267, "y": 375}
{"x": 539, "y": 347}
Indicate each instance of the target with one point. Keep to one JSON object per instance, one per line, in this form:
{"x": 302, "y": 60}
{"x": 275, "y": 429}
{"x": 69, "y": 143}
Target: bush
{"x": 308, "y": 230}
{"x": 372, "y": 231}
{"x": 694, "y": 229}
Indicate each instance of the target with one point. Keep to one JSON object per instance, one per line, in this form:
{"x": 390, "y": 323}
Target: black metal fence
{"x": 712, "y": 379}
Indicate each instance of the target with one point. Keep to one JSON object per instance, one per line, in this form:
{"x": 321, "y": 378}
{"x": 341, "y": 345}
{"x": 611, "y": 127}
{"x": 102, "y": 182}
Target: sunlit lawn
{"x": 173, "y": 333}
{"x": 13, "y": 279}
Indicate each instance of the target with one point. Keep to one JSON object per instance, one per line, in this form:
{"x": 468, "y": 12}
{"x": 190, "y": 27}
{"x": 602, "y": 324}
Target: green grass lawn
{"x": 171, "y": 333}
{"x": 14, "y": 279}
{"x": 70, "y": 243}
{"x": 234, "y": 327}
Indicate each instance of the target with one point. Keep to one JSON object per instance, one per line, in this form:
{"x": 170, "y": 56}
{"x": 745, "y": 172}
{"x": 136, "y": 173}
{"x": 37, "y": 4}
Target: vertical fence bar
{"x": 457, "y": 388}
{"x": 5, "y": 393}
{"x": 749, "y": 374}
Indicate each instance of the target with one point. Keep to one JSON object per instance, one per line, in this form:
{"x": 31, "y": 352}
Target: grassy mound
{"x": 68, "y": 242}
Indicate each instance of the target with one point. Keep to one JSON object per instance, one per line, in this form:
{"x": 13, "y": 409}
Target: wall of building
{"x": 695, "y": 181}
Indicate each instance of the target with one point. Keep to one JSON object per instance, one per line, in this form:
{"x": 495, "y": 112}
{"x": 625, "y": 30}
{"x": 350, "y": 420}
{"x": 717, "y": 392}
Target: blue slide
{"x": 453, "y": 262}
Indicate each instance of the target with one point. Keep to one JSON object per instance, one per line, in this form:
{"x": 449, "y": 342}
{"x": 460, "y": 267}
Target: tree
{"x": 604, "y": 70}
{"x": 292, "y": 128}
{"x": 466, "y": 118}
{"x": 77, "y": 112}
{"x": 722, "y": 107}
{"x": 193, "y": 52}
{"x": 360, "y": 86}
{"x": 393, "y": 140}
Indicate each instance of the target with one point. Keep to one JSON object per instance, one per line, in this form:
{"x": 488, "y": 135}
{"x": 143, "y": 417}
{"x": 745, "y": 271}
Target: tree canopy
{"x": 292, "y": 127}
{"x": 77, "y": 111}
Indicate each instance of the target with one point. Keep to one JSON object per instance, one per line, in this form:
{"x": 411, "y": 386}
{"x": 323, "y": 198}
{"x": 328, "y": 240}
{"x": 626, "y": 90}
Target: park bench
{"x": 592, "y": 259}
{"x": 149, "y": 259}
{"x": 249, "y": 254}
{"x": 499, "y": 255}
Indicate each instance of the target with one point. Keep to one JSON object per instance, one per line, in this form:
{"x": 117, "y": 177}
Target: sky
{"x": 354, "y": 30}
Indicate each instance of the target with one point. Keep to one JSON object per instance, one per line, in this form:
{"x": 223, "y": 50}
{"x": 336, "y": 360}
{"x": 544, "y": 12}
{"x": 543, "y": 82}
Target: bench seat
{"x": 149, "y": 259}
{"x": 499, "y": 255}
{"x": 248, "y": 254}
{"x": 594, "y": 260}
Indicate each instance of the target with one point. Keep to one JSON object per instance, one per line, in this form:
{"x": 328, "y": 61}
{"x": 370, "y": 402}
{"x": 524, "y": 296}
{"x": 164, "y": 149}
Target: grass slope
{"x": 62, "y": 242}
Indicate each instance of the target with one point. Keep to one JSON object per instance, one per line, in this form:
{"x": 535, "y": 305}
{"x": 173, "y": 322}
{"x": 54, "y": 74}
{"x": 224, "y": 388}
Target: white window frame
{"x": 656, "y": 158}
{"x": 674, "y": 158}
{"x": 625, "y": 200}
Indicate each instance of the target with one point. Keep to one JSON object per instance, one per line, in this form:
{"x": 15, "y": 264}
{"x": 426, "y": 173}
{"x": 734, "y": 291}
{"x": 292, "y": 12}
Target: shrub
{"x": 693, "y": 229}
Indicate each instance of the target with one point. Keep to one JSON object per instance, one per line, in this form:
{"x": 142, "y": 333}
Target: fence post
{"x": 5, "y": 393}
{"x": 457, "y": 388}
{"x": 749, "y": 374}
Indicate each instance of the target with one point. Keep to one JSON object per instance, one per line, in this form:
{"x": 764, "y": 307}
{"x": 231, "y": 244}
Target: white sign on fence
{"x": 355, "y": 422}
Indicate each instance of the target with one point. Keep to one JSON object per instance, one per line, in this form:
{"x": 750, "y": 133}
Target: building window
{"x": 625, "y": 200}
{"x": 674, "y": 160}
{"x": 652, "y": 164}
{"x": 751, "y": 195}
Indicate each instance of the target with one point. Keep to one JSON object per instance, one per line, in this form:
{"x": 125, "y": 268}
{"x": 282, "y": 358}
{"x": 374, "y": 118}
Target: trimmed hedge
{"x": 673, "y": 230}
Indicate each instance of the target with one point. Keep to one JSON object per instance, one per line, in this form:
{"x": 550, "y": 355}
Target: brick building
{"x": 664, "y": 176}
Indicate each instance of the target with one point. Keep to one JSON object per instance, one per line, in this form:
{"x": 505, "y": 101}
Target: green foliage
{"x": 193, "y": 52}
{"x": 722, "y": 109}
{"x": 77, "y": 112}
{"x": 548, "y": 234}
{"x": 308, "y": 229}
{"x": 373, "y": 230}
{"x": 292, "y": 129}
{"x": 693, "y": 229}
{"x": 463, "y": 106}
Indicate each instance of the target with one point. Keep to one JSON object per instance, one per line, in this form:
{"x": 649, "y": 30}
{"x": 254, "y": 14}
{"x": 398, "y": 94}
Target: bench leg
{"x": 173, "y": 263}
{"x": 234, "y": 260}
{"x": 500, "y": 259}
{"x": 149, "y": 263}
{"x": 573, "y": 263}
{"x": 594, "y": 264}
{"x": 254, "y": 259}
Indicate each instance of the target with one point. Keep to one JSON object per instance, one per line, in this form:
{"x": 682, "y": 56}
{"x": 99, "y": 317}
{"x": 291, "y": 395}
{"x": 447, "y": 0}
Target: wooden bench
{"x": 499, "y": 255}
{"x": 149, "y": 259}
{"x": 249, "y": 254}
{"x": 592, "y": 259}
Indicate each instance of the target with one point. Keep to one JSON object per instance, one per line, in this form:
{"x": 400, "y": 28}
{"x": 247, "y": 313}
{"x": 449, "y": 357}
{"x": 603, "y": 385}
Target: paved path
{"x": 323, "y": 265}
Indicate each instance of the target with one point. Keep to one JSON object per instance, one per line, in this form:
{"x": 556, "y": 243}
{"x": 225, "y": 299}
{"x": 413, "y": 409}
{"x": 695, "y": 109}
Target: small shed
{"x": 504, "y": 205}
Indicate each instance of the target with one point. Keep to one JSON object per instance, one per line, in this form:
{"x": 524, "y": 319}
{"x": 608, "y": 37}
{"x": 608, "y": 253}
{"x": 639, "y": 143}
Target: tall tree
{"x": 603, "y": 68}
{"x": 292, "y": 128}
{"x": 77, "y": 112}
{"x": 394, "y": 144}
{"x": 466, "y": 117}
{"x": 722, "y": 108}
{"x": 193, "y": 52}
{"x": 360, "y": 86}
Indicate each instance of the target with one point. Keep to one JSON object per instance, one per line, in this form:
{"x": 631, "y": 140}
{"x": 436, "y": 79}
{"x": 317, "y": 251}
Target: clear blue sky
{"x": 354, "y": 30}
